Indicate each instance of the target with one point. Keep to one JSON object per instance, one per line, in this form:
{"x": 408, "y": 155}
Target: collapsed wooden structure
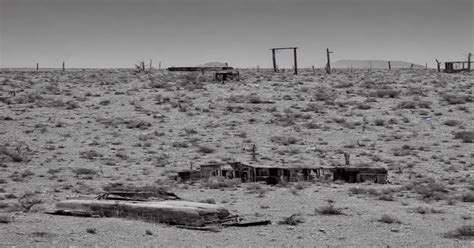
{"x": 274, "y": 174}
{"x": 183, "y": 213}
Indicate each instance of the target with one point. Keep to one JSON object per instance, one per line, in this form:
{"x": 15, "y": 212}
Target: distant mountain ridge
{"x": 374, "y": 64}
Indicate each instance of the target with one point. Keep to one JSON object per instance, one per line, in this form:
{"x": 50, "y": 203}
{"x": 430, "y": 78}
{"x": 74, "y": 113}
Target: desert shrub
{"x": 84, "y": 171}
{"x": 386, "y": 198}
{"x": 326, "y": 96}
{"x": 294, "y": 219}
{"x": 465, "y": 136}
{"x": 462, "y": 232}
{"x": 329, "y": 210}
{"x": 363, "y": 105}
{"x": 28, "y": 200}
{"x": 431, "y": 191}
{"x": 91, "y": 230}
{"x": 254, "y": 187}
{"x": 427, "y": 210}
{"x": 385, "y": 218}
{"x": 5, "y": 219}
{"x": 452, "y": 123}
{"x": 456, "y": 99}
{"x": 284, "y": 140}
{"x": 206, "y": 149}
{"x": 413, "y": 104}
{"x": 467, "y": 197}
{"x": 343, "y": 85}
{"x": 148, "y": 232}
{"x": 91, "y": 154}
{"x": 17, "y": 155}
{"x": 218, "y": 182}
{"x": 360, "y": 191}
{"x": 379, "y": 122}
{"x": 381, "y": 93}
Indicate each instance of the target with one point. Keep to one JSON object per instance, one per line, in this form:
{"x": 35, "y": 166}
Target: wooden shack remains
{"x": 360, "y": 174}
{"x": 457, "y": 66}
{"x": 274, "y": 174}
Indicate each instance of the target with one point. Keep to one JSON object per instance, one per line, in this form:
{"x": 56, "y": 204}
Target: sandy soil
{"x": 69, "y": 134}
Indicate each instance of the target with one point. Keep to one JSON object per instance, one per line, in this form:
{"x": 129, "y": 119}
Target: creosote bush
{"x": 329, "y": 210}
{"x": 294, "y": 219}
{"x": 462, "y": 232}
{"x": 385, "y": 218}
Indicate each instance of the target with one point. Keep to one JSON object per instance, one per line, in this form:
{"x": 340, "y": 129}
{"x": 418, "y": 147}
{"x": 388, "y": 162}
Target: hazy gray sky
{"x": 118, "y": 33}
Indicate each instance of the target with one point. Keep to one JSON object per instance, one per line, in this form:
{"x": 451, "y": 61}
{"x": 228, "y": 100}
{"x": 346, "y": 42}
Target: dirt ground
{"x": 70, "y": 134}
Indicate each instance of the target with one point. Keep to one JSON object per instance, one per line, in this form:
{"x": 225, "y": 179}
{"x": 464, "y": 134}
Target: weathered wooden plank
{"x": 171, "y": 212}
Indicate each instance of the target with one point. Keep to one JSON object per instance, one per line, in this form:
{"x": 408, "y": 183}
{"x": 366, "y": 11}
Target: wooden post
{"x": 258, "y": 68}
{"x": 426, "y": 65}
{"x": 468, "y": 62}
{"x": 296, "y": 63}
{"x": 328, "y": 66}
{"x": 254, "y": 152}
{"x": 312, "y": 67}
{"x": 347, "y": 158}
{"x": 64, "y": 66}
{"x": 159, "y": 65}
{"x": 274, "y": 61}
{"x": 37, "y": 66}
{"x": 151, "y": 61}
{"x": 438, "y": 65}
{"x": 389, "y": 66}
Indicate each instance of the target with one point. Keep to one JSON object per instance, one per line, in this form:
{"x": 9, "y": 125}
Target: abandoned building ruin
{"x": 270, "y": 174}
{"x": 221, "y": 73}
{"x": 457, "y": 66}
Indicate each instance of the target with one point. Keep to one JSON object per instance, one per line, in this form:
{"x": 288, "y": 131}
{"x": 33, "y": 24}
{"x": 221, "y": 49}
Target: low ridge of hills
{"x": 374, "y": 64}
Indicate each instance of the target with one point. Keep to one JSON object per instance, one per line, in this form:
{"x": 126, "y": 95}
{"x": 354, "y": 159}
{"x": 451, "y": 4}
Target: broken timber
{"x": 182, "y": 213}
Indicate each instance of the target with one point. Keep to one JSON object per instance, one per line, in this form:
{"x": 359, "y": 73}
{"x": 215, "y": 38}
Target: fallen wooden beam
{"x": 183, "y": 213}
{"x": 251, "y": 223}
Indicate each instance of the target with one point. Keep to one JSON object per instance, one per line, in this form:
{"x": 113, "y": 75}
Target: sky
{"x": 119, "y": 33}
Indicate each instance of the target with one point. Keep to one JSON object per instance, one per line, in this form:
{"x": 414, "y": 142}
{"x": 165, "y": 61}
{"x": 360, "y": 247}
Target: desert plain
{"x": 73, "y": 134}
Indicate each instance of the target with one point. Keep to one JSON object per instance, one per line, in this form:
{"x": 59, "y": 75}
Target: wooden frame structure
{"x": 457, "y": 66}
{"x": 284, "y": 48}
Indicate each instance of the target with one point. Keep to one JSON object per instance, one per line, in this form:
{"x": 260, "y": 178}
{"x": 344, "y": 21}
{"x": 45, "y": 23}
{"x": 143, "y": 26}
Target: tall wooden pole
{"x": 296, "y": 63}
{"x": 274, "y": 61}
{"x": 159, "y": 65}
{"x": 438, "y": 65}
{"x": 389, "y": 66}
{"x": 64, "y": 65}
{"x": 328, "y": 66}
{"x": 312, "y": 67}
{"x": 37, "y": 66}
{"x": 426, "y": 65}
{"x": 151, "y": 61}
{"x": 469, "y": 61}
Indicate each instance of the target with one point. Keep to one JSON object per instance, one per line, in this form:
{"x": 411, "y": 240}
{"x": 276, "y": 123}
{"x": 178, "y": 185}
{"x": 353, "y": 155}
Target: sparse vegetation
{"x": 293, "y": 220}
